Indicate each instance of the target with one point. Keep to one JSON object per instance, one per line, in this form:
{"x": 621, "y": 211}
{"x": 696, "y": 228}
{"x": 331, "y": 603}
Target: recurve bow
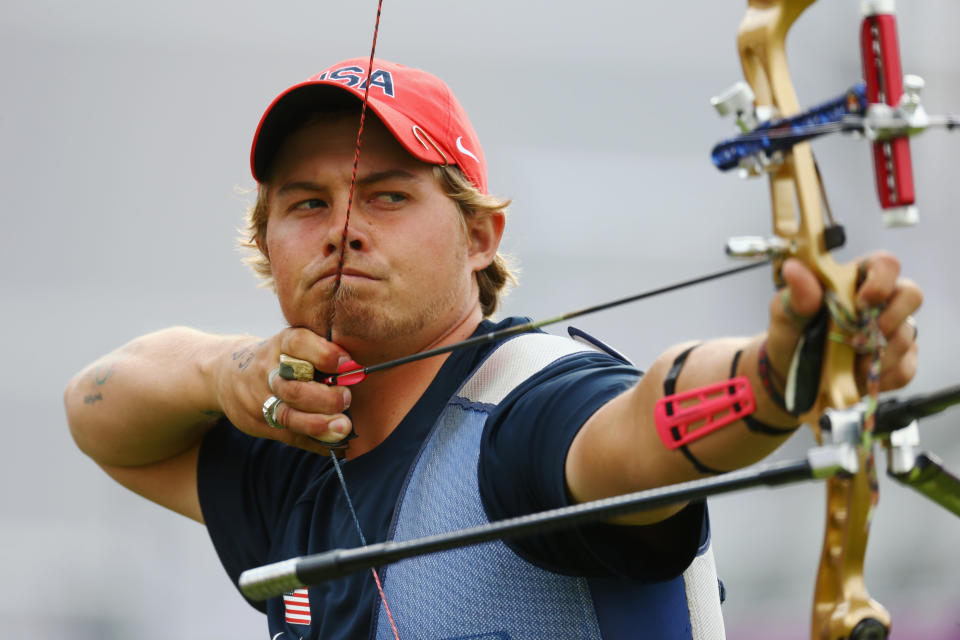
{"x": 842, "y": 606}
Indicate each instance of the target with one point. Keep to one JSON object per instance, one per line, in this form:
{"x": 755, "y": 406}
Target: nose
{"x": 343, "y": 225}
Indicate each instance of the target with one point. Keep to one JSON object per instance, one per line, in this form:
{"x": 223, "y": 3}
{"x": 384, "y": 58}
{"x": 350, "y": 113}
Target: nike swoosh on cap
{"x": 464, "y": 150}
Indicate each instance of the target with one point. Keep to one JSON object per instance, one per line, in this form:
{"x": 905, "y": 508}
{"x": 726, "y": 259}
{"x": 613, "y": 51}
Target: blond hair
{"x": 492, "y": 281}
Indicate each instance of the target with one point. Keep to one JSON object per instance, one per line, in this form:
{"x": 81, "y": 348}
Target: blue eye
{"x": 312, "y": 203}
{"x": 391, "y": 197}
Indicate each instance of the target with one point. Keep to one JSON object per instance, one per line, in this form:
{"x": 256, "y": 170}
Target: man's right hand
{"x": 141, "y": 411}
{"x": 310, "y": 413}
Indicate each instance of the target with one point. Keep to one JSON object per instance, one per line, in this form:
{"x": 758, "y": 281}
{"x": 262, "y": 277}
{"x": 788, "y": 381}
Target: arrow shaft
{"x": 526, "y": 327}
{"x": 275, "y": 579}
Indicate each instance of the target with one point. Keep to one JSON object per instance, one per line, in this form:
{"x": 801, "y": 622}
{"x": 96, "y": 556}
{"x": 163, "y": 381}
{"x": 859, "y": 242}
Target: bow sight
{"x": 886, "y": 109}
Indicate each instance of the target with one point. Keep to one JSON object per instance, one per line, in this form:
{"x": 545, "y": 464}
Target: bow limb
{"x": 841, "y": 601}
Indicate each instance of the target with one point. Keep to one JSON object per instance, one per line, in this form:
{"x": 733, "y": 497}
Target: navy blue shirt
{"x": 264, "y": 501}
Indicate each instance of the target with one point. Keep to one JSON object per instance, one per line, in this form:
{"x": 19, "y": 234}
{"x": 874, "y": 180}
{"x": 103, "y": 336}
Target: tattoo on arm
{"x": 102, "y": 373}
{"x": 98, "y": 377}
{"x": 245, "y": 356}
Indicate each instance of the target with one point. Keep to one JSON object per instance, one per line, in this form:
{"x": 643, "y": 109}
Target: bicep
{"x": 528, "y": 435}
{"x": 545, "y": 430}
{"x": 171, "y": 483}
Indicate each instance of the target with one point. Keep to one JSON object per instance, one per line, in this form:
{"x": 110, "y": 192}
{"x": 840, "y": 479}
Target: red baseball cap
{"x": 418, "y": 108}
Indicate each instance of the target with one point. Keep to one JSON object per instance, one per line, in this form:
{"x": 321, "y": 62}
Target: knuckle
{"x": 295, "y": 341}
{"x": 283, "y": 340}
{"x": 892, "y": 328}
{"x": 302, "y": 343}
{"x": 886, "y": 260}
{"x": 317, "y": 429}
{"x": 910, "y": 287}
{"x": 307, "y": 431}
{"x": 326, "y": 437}
{"x": 314, "y": 398}
{"x": 328, "y": 355}
{"x": 294, "y": 392}
{"x": 318, "y": 423}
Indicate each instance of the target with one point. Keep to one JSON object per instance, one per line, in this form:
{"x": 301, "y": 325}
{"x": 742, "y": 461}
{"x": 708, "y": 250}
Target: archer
{"x": 394, "y": 257}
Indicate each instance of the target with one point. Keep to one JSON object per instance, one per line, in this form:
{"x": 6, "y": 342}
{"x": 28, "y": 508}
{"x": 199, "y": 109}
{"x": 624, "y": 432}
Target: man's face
{"x": 407, "y": 275}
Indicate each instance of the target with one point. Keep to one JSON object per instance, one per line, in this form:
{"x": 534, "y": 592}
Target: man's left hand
{"x": 880, "y": 286}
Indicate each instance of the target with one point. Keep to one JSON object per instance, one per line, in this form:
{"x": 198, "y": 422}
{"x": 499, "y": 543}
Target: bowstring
{"x": 353, "y": 179}
{"x": 363, "y": 541}
{"x": 333, "y": 297}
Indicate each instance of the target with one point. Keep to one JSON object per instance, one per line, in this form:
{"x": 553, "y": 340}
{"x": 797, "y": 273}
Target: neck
{"x": 381, "y": 401}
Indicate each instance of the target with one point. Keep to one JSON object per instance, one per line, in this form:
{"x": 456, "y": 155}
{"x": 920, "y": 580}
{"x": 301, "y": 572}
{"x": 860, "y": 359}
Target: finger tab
{"x": 295, "y": 369}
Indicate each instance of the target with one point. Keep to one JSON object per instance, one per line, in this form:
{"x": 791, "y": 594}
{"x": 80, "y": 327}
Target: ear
{"x": 484, "y": 233}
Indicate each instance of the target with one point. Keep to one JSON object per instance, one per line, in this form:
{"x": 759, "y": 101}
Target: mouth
{"x": 330, "y": 276}
{"x": 353, "y": 273}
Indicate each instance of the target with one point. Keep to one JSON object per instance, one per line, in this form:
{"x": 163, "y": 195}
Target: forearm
{"x": 730, "y": 447}
{"x": 151, "y": 399}
{"x": 619, "y": 450}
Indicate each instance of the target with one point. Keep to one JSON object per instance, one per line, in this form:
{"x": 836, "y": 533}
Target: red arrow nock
{"x": 348, "y": 373}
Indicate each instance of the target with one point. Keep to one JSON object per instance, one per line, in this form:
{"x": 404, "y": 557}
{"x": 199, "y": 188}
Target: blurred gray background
{"x": 125, "y": 129}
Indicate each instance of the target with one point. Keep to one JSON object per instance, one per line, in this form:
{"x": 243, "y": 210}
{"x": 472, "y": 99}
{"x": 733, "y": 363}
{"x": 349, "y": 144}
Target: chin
{"x": 368, "y": 322}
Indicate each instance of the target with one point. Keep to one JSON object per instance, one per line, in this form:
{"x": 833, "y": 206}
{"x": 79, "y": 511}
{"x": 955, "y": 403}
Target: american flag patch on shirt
{"x": 296, "y": 607}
